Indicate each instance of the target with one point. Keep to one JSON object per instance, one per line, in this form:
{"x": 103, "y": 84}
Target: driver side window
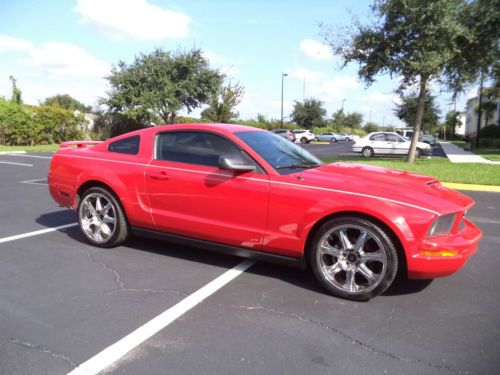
{"x": 197, "y": 148}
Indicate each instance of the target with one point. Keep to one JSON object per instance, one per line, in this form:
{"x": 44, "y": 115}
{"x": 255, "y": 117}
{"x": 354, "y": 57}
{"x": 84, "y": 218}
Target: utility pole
{"x": 283, "y": 75}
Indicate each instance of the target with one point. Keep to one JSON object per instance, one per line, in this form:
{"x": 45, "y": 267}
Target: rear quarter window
{"x": 128, "y": 145}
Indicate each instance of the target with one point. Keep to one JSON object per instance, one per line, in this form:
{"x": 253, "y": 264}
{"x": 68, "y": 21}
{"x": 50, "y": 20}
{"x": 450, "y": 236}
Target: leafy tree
{"x": 414, "y": 39}
{"x": 407, "y": 110}
{"x": 16, "y": 92}
{"x": 162, "y": 83}
{"x": 479, "y": 56}
{"x": 223, "y": 103}
{"x": 109, "y": 124}
{"x": 67, "y": 102}
{"x": 451, "y": 122}
{"x": 371, "y": 127}
{"x": 351, "y": 120}
{"x": 309, "y": 113}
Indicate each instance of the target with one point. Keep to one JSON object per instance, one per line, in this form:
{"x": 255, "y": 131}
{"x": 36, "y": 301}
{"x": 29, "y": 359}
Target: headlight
{"x": 442, "y": 225}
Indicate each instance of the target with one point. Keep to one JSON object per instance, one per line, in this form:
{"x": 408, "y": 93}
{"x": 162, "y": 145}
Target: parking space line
{"x": 40, "y": 181}
{"x": 8, "y": 162}
{"x": 36, "y": 233}
{"x": 117, "y": 350}
{"x": 31, "y": 156}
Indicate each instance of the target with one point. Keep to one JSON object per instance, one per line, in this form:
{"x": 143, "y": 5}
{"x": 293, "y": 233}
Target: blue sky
{"x": 64, "y": 46}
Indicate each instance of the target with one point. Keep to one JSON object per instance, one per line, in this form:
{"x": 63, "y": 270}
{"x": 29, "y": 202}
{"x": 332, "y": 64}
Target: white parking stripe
{"x": 36, "y": 233}
{"x": 31, "y": 156}
{"x": 116, "y": 351}
{"x": 40, "y": 181}
{"x": 7, "y": 162}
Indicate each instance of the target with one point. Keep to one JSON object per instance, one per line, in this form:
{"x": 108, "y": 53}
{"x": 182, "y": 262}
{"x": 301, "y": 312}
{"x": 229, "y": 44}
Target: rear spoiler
{"x": 79, "y": 144}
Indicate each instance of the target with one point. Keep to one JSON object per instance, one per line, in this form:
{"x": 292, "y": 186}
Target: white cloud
{"x": 53, "y": 68}
{"x": 309, "y": 75}
{"x": 58, "y": 58}
{"x": 224, "y": 64}
{"x": 12, "y": 44}
{"x": 136, "y": 19}
{"x": 333, "y": 89}
{"x": 315, "y": 50}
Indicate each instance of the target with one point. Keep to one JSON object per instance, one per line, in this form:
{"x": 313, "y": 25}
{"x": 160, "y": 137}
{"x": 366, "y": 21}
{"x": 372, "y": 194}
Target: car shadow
{"x": 300, "y": 278}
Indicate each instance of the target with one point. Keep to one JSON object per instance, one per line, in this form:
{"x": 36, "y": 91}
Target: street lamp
{"x": 370, "y": 116}
{"x": 283, "y": 75}
{"x": 343, "y": 100}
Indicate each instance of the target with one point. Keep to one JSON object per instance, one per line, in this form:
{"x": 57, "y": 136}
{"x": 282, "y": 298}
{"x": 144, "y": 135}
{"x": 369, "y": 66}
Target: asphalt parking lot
{"x": 63, "y": 301}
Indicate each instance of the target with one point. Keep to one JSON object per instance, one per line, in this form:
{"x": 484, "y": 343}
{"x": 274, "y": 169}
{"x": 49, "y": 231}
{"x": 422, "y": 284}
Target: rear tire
{"x": 101, "y": 218}
{"x": 418, "y": 153}
{"x": 367, "y": 152}
{"x": 303, "y": 140}
{"x": 353, "y": 258}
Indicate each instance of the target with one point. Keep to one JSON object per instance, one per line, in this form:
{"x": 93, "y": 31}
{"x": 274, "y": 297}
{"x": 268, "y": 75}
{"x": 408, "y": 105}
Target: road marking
{"x": 36, "y": 233}
{"x": 472, "y": 187}
{"x": 31, "y": 156}
{"x": 7, "y": 162}
{"x": 117, "y": 350}
{"x": 40, "y": 181}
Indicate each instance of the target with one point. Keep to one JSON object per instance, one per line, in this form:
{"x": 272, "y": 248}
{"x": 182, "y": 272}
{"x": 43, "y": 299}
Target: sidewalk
{"x": 458, "y": 155}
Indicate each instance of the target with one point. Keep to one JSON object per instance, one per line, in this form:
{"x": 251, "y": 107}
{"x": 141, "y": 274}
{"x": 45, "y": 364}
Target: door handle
{"x": 161, "y": 176}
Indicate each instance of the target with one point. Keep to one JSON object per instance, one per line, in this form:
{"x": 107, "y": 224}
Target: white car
{"x": 387, "y": 143}
{"x": 303, "y": 136}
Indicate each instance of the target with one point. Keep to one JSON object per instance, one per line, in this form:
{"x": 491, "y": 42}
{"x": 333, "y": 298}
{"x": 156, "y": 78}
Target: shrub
{"x": 490, "y": 131}
{"x": 109, "y": 125}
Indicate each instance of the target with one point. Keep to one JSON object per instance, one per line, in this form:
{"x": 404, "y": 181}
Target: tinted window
{"x": 283, "y": 155}
{"x": 128, "y": 145}
{"x": 197, "y": 148}
{"x": 377, "y": 137}
{"x": 392, "y": 138}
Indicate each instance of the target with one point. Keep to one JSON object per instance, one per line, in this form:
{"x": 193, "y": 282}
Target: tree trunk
{"x": 418, "y": 120}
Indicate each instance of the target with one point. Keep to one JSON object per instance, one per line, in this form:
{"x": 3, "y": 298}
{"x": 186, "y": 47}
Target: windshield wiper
{"x": 296, "y": 166}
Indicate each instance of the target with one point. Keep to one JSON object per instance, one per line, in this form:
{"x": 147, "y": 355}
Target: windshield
{"x": 282, "y": 155}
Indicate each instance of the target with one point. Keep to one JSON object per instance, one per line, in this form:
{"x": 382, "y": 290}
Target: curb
{"x": 11, "y": 152}
{"x": 320, "y": 143}
{"x": 471, "y": 187}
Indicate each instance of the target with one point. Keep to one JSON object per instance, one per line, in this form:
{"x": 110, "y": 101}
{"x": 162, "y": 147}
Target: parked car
{"x": 388, "y": 143}
{"x": 303, "y": 136}
{"x": 285, "y": 133}
{"x": 429, "y": 138}
{"x": 229, "y": 188}
{"x": 347, "y": 136}
{"x": 327, "y": 137}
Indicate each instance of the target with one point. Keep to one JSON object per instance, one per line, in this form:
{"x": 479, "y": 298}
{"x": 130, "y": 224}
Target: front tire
{"x": 353, "y": 258}
{"x": 418, "y": 153}
{"x": 101, "y": 218}
{"x": 367, "y": 152}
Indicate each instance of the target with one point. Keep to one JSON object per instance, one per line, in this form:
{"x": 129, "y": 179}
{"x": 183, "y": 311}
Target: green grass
{"x": 485, "y": 152}
{"x": 488, "y": 153}
{"x": 441, "y": 168}
{"x": 52, "y": 147}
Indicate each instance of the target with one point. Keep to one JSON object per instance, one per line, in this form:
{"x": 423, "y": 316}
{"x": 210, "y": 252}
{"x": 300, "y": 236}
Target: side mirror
{"x": 227, "y": 163}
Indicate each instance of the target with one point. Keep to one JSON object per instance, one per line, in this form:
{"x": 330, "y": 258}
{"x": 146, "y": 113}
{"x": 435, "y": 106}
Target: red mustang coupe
{"x": 251, "y": 193}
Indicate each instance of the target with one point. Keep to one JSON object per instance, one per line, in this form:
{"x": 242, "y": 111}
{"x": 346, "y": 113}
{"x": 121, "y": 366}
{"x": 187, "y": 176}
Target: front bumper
{"x": 442, "y": 256}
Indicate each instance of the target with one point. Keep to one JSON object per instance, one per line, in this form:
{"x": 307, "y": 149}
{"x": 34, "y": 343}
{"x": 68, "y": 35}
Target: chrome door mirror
{"x": 234, "y": 165}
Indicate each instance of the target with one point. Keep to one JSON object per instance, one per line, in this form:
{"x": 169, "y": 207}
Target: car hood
{"x": 415, "y": 189}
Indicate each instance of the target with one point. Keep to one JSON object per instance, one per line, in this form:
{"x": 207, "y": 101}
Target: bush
{"x": 109, "y": 125}
{"x": 489, "y": 142}
{"x": 490, "y": 131}
{"x": 33, "y": 125}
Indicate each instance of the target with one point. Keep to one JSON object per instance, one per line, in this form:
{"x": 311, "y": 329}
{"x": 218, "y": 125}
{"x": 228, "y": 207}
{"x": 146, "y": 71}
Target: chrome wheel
{"x": 98, "y": 217}
{"x": 367, "y": 152}
{"x": 352, "y": 258}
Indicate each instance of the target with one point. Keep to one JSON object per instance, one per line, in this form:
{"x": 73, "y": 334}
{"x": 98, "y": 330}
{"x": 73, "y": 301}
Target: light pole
{"x": 370, "y": 116}
{"x": 343, "y": 100}
{"x": 283, "y": 75}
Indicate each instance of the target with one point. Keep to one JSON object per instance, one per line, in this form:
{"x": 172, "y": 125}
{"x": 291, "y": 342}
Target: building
{"x": 487, "y": 117}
